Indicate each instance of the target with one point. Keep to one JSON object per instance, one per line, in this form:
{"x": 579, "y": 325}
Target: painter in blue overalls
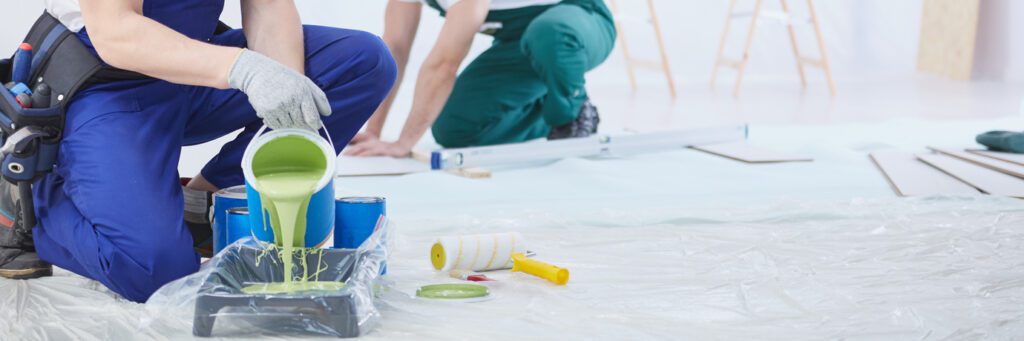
{"x": 113, "y": 209}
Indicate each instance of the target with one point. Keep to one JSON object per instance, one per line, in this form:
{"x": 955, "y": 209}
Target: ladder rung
{"x": 772, "y": 16}
{"x": 647, "y": 64}
{"x": 631, "y": 18}
{"x": 729, "y": 62}
{"x": 811, "y": 62}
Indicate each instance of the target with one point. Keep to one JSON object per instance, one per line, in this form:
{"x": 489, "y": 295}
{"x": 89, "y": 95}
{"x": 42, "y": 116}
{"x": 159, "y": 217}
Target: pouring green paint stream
{"x": 286, "y": 173}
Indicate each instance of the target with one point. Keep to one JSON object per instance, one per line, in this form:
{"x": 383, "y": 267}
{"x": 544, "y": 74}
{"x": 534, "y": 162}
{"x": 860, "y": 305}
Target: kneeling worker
{"x": 529, "y": 84}
{"x": 113, "y": 208}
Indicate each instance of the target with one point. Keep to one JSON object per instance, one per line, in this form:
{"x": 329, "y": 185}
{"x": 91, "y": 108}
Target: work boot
{"x": 197, "y": 218}
{"x": 584, "y": 125}
{"x": 18, "y": 258}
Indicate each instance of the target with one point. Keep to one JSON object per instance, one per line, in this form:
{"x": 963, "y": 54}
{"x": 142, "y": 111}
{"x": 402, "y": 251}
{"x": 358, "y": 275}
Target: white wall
{"x": 1000, "y": 46}
{"x": 865, "y": 38}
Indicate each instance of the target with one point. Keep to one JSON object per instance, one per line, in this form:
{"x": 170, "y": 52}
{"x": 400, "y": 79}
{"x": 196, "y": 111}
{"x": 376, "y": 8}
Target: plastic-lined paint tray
{"x": 338, "y": 302}
{"x": 332, "y": 311}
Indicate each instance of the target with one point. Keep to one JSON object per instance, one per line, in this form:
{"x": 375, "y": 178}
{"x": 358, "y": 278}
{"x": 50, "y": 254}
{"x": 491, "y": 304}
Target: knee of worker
{"x": 338, "y": 58}
{"x": 138, "y": 273}
{"x": 451, "y": 132}
{"x": 548, "y": 37}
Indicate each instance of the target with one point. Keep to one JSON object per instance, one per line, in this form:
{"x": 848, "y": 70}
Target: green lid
{"x": 452, "y": 291}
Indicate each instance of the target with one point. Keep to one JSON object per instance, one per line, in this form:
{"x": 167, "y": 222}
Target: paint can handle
{"x": 263, "y": 128}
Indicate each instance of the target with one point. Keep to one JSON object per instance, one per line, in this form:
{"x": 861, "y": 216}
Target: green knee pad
{"x": 1004, "y": 141}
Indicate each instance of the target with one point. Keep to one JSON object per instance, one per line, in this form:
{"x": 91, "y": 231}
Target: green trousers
{"x": 517, "y": 89}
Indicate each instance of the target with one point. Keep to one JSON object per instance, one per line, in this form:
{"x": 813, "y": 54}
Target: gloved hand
{"x": 282, "y": 97}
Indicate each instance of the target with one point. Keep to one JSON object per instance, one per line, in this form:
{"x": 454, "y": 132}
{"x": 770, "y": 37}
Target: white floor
{"x": 761, "y": 102}
{"x": 683, "y": 244}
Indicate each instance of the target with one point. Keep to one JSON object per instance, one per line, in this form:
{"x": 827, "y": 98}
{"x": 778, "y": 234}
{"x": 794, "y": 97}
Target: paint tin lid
{"x": 239, "y": 210}
{"x": 236, "y": 192}
{"x": 361, "y": 200}
{"x": 453, "y": 291}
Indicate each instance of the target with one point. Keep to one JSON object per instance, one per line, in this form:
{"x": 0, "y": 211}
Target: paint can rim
{"x": 233, "y": 192}
{"x": 239, "y": 210}
{"x": 360, "y": 200}
{"x": 259, "y": 140}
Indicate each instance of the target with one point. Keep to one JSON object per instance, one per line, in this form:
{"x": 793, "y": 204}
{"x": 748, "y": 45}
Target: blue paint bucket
{"x": 222, "y": 201}
{"x": 355, "y": 219}
{"x": 265, "y": 151}
{"x": 239, "y": 226}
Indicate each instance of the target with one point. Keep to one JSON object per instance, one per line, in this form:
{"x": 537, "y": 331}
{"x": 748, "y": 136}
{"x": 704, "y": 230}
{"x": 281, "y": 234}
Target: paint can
{"x": 222, "y": 201}
{"x": 239, "y": 226}
{"x": 286, "y": 148}
{"x": 355, "y": 219}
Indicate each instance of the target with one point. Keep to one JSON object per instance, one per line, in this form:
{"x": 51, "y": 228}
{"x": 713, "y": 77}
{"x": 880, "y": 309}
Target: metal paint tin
{"x": 320, "y": 212}
{"x": 222, "y": 201}
{"x": 238, "y": 225}
{"x": 355, "y": 219}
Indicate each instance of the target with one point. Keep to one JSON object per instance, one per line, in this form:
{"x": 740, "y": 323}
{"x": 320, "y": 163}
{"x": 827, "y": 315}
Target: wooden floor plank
{"x": 987, "y": 180}
{"x": 742, "y": 151}
{"x": 990, "y": 163}
{"x": 1003, "y": 156}
{"x": 911, "y": 177}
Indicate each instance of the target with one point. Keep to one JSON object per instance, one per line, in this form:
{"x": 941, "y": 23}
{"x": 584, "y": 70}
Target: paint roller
{"x": 477, "y": 252}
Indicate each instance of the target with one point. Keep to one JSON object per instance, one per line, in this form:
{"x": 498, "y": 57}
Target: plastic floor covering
{"x": 669, "y": 245}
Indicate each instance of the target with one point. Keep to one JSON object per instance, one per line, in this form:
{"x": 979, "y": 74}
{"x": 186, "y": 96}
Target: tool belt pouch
{"x": 31, "y": 136}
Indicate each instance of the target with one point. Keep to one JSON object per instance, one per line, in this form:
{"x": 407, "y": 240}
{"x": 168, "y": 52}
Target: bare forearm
{"x": 274, "y": 29}
{"x": 376, "y": 123}
{"x": 143, "y": 45}
{"x": 433, "y": 87}
{"x": 401, "y": 21}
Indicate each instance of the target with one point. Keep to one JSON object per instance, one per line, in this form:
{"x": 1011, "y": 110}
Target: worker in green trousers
{"x": 529, "y": 84}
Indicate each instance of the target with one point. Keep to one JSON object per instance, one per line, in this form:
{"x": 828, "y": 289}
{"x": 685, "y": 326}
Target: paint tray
{"x": 222, "y": 292}
{"x": 221, "y": 303}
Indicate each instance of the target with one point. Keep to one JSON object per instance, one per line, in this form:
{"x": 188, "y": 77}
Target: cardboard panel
{"x": 948, "y": 32}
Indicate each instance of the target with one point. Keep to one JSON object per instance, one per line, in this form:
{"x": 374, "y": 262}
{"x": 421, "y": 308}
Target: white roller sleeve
{"x": 477, "y": 252}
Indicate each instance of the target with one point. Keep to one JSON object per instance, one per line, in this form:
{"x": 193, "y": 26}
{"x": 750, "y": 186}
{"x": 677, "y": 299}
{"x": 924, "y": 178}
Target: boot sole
{"x": 26, "y": 273}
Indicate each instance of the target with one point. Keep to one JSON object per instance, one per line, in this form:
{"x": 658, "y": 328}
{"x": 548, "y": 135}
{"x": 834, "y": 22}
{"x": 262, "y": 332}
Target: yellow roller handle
{"x": 540, "y": 269}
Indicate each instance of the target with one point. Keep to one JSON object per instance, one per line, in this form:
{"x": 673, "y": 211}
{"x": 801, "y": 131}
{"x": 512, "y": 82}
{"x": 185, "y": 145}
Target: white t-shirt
{"x": 497, "y": 4}
{"x": 68, "y": 12}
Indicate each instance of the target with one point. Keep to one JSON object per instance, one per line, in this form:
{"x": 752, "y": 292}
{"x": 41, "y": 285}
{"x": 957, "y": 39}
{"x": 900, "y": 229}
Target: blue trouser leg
{"x": 112, "y": 210}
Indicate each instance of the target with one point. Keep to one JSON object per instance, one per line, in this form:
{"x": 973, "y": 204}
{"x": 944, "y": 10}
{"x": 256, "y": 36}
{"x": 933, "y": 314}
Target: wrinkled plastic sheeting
{"x": 905, "y": 269}
{"x": 249, "y": 262}
{"x": 899, "y": 269}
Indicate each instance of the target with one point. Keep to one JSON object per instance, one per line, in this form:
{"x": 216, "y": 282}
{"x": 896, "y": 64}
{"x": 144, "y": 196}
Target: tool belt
{"x": 30, "y": 136}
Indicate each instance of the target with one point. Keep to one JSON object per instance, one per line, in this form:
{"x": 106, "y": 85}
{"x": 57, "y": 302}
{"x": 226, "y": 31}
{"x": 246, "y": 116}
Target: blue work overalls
{"x": 112, "y": 210}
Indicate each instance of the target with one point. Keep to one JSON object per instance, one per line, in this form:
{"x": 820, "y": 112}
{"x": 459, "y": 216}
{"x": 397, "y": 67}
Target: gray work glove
{"x": 282, "y": 97}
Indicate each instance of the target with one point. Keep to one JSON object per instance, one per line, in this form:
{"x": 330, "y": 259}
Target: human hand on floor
{"x": 372, "y": 146}
{"x": 363, "y": 136}
{"x": 282, "y": 97}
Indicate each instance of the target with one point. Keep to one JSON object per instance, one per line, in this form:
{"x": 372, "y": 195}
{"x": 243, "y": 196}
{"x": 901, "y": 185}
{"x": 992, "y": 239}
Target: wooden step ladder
{"x": 783, "y": 16}
{"x": 631, "y": 63}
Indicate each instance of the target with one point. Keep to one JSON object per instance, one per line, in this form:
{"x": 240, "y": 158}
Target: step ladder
{"x": 784, "y": 17}
{"x": 632, "y": 63}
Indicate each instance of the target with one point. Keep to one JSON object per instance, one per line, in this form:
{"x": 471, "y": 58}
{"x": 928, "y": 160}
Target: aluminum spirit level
{"x": 597, "y": 145}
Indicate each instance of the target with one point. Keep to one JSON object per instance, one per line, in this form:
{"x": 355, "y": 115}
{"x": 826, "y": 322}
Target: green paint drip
{"x": 286, "y": 172}
{"x": 292, "y": 287}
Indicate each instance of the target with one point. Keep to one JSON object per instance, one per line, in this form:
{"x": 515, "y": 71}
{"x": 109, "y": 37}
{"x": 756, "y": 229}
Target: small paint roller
{"x": 540, "y": 269}
{"x": 477, "y": 252}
